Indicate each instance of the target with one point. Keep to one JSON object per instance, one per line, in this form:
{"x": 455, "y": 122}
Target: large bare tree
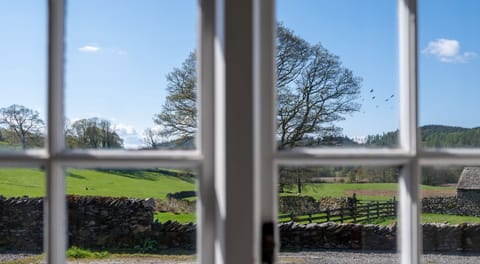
{"x": 314, "y": 91}
{"x": 25, "y": 122}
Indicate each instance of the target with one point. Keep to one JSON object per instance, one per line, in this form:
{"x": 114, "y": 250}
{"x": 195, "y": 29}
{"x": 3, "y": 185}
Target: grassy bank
{"x": 114, "y": 183}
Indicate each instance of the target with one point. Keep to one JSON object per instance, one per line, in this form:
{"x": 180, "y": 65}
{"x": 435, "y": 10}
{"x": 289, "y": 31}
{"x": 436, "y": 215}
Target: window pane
{"x": 339, "y": 208}
{"x": 130, "y": 74}
{"x": 448, "y": 77}
{"x": 23, "y": 53}
{"x": 21, "y": 214}
{"x": 451, "y": 212}
{"x": 337, "y": 73}
{"x": 149, "y": 210}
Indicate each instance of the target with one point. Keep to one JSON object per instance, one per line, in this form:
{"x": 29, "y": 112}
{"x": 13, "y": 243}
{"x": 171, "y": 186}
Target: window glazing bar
{"x": 55, "y": 206}
{"x": 409, "y": 232}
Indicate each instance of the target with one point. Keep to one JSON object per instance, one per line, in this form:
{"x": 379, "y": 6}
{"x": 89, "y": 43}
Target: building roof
{"x": 470, "y": 179}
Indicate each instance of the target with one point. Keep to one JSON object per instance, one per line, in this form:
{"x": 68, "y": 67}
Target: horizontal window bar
{"x": 450, "y": 157}
{"x": 33, "y": 157}
{"x": 305, "y": 156}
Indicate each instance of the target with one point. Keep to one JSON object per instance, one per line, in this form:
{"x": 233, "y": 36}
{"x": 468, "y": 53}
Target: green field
{"x": 15, "y": 182}
{"x": 115, "y": 183}
{"x": 163, "y": 217}
{"x": 364, "y": 191}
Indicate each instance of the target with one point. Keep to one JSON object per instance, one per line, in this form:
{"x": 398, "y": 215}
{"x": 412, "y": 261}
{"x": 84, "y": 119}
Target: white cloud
{"x": 89, "y": 48}
{"x": 131, "y": 138}
{"x": 448, "y": 50}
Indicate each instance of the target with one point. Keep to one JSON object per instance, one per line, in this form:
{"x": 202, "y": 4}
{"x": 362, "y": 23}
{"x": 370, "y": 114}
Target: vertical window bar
{"x": 409, "y": 232}
{"x": 265, "y": 180}
{"x": 55, "y": 207}
{"x": 206, "y": 204}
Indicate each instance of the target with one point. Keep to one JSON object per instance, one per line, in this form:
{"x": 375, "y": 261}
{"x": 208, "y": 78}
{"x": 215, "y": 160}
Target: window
{"x": 236, "y": 155}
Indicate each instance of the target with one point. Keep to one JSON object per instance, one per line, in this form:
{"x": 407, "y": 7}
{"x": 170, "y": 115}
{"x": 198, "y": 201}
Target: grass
{"x": 111, "y": 257}
{"x": 435, "y": 218}
{"x": 163, "y": 217}
{"x": 16, "y": 182}
{"x": 451, "y": 219}
{"x": 319, "y": 190}
{"x": 79, "y": 253}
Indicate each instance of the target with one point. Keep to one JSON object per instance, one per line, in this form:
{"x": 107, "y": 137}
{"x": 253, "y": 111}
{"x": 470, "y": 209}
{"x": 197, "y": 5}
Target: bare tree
{"x": 151, "y": 138}
{"x": 25, "y": 122}
{"x": 314, "y": 91}
{"x": 179, "y": 114}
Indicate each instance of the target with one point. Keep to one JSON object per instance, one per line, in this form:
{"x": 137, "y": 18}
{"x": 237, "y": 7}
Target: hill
{"x": 434, "y": 136}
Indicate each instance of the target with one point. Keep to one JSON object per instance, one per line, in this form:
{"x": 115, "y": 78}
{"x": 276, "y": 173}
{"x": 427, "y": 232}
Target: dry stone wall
{"x": 21, "y": 223}
{"x": 436, "y": 237}
{"x": 127, "y": 224}
{"x": 450, "y": 205}
{"x": 93, "y": 222}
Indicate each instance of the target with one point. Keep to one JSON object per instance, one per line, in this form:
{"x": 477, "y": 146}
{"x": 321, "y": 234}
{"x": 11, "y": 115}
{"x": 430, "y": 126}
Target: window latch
{"x": 268, "y": 243}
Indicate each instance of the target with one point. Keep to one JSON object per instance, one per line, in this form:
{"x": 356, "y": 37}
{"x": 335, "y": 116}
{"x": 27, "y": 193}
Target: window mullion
{"x": 206, "y": 207}
{"x": 265, "y": 177}
{"x": 234, "y": 171}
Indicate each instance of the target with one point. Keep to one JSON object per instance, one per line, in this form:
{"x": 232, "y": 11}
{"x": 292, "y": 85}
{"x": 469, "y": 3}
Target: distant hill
{"x": 434, "y": 136}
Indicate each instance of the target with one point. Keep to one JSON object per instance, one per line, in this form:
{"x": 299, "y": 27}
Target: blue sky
{"x": 119, "y": 52}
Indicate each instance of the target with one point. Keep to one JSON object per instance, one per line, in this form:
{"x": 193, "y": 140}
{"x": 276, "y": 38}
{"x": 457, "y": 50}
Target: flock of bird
{"x": 386, "y": 99}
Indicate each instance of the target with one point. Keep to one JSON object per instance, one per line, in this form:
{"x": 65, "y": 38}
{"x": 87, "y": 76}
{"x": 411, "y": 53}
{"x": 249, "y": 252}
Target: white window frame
{"x": 236, "y": 51}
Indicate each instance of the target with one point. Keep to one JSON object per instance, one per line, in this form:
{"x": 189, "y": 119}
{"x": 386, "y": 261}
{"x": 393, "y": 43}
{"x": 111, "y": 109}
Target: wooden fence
{"x": 358, "y": 211}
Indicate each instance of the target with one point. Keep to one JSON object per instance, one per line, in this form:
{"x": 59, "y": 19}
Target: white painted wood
{"x": 234, "y": 168}
{"x": 55, "y": 203}
{"x": 410, "y": 237}
{"x": 206, "y": 205}
{"x": 265, "y": 177}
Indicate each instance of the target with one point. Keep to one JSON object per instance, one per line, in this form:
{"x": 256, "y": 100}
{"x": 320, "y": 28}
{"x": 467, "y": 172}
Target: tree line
{"x": 23, "y": 127}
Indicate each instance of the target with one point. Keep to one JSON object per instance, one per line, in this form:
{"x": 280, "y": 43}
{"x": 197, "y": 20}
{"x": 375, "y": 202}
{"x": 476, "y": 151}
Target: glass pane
{"x": 338, "y": 208}
{"x": 21, "y": 214}
{"x": 126, "y": 211}
{"x": 448, "y": 73}
{"x": 130, "y": 74}
{"x": 337, "y": 73}
{"x": 451, "y": 212}
{"x": 23, "y": 53}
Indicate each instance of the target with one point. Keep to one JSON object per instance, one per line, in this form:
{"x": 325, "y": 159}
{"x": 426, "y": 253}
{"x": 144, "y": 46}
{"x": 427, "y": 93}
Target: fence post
{"x": 310, "y": 217}
{"x": 368, "y": 212}
{"x": 378, "y": 210}
{"x": 328, "y": 215}
{"x": 394, "y": 207}
{"x": 341, "y": 215}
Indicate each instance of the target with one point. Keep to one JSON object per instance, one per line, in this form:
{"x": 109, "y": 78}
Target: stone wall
{"x": 336, "y": 236}
{"x": 127, "y": 224}
{"x": 307, "y": 204}
{"x": 450, "y": 205}
{"x": 93, "y": 222}
{"x": 96, "y": 222}
{"x": 469, "y": 195}
{"x": 21, "y": 223}
{"x": 436, "y": 237}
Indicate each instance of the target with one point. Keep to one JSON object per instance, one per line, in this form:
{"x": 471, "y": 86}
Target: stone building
{"x": 468, "y": 187}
